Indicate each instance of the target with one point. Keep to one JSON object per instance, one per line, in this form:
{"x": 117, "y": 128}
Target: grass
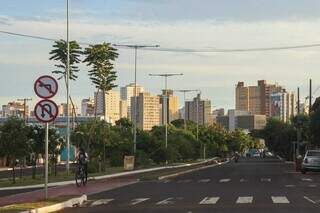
{"x": 62, "y": 176}
{"x": 32, "y": 205}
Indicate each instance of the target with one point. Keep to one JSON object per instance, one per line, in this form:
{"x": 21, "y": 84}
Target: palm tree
{"x": 101, "y": 57}
{"x": 59, "y": 53}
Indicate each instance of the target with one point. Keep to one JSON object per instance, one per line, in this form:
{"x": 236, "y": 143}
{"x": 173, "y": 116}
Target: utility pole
{"x": 184, "y": 91}
{"x": 165, "y": 102}
{"x": 68, "y": 92}
{"x": 298, "y": 125}
{"x": 134, "y": 119}
{"x": 310, "y": 95}
{"x": 25, "y": 118}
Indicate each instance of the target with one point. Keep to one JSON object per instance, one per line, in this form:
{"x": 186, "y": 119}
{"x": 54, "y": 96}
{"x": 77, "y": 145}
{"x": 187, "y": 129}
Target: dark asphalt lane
{"x": 252, "y": 185}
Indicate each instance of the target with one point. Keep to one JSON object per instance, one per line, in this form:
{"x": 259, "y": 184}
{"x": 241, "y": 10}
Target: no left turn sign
{"x": 46, "y": 111}
{"x": 46, "y": 87}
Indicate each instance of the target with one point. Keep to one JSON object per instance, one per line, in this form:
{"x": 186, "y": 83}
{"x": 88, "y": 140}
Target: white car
{"x": 311, "y": 161}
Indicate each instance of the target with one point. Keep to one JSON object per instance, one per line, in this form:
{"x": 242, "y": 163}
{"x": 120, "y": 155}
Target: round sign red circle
{"x": 41, "y": 104}
{"x": 51, "y": 92}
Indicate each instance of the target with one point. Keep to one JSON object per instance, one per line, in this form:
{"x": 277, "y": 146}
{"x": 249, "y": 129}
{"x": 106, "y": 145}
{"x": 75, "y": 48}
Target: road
{"x": 252, "y": 185}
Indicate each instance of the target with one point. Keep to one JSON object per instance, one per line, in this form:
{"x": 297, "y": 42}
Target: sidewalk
{"x": 67, "y": 190}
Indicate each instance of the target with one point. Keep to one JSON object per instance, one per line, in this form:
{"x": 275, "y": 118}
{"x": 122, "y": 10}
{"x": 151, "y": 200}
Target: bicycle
{"x": 80, "y": 176}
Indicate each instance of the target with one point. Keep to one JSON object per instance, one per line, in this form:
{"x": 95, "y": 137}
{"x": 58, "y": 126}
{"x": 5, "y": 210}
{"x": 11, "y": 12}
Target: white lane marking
{"x": 167, "y": 201}
{"x": 209, "y": 200}
{"x": 279, "y": 199}
{"x": 265, "y": 179}
{"x": 312, "y": 185}
{"x": 247, "y": 199}
{"x": 243, "y": 180}
{"x": 308, "y": 199}
{"x": 290, "y": 186}
{"x": 138, "y": 200}
{"x": 306, "y": 179}
{"x": 184, "y": 181}
{"x": 101, "y": 202}
{"x": 224, "y": 180}
{"x": 204, "y": 181}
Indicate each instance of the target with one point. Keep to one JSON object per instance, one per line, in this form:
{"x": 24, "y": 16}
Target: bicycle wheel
{"x": 78, "y": 178}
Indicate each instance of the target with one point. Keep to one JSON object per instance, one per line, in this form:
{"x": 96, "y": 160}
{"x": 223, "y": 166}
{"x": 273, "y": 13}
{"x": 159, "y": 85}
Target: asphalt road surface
{"x": 252, "y": 185}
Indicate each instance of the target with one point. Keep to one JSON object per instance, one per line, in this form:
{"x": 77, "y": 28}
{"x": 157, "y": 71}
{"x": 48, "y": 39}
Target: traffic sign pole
{"x": 46, "y": 111}
{"x": 47, "y": 160}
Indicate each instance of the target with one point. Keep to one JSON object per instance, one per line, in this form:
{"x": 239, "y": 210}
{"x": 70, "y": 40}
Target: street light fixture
{"x": 135, "y": 47}
{"x": 68, "y": 91}
{"x": 165, "y": 97}
{"x": 184, "y": 91}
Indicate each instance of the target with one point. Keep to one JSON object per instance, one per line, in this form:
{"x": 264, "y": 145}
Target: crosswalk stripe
{"x": 224, "y": 180}
{"x": 279, "y": 199}
{"x": 138, "y": 200}
{"x": 243, "y": 180}
{"x": 166, "y": 201}
{"x": 312, "y": 185}
{"x": 247, "y": 199}
{"x": 209, "y": 200}
{"x": 289, "y": 186}
{"x": 204, "y": 180}
{"x": 265, "y": 179}
{"x": 306, "y": 179}
{"x": 101, "y": 202}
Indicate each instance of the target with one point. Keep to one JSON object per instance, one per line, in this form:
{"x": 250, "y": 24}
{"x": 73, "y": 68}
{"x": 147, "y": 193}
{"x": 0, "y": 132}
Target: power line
{"x": 184, "y": 50}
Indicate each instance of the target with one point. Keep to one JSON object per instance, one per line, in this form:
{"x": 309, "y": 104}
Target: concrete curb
{"x": 280, "y": 158}
{"x": 121, "y": 174}
{"x": 190, "y": 171}
{"x": 59, "y": 206}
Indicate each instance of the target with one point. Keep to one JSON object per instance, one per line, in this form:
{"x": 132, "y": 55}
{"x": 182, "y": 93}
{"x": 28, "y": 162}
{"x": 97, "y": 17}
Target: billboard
{"x": 276, "y": 105}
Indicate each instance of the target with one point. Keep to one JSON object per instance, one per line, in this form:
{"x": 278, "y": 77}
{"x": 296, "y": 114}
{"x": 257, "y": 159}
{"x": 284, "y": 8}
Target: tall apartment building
{"x": 62, "y": 110}
{"x": 127, "y": 92}
{"x": 282, "y": 105}
{"x": 148, "y": 111}
{"x": 15, "y": 108}
{"x": 236, "y": 119}
{"x": 112, "y": 105}
{"x": 256, "y": 99}
{"x": 172, "y": 107}
{"x": 87, "y": 107}
{"x": 123, "y": 109}
{"x": 204, "y": 110}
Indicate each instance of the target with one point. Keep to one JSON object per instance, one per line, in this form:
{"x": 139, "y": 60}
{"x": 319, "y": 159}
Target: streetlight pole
{"x": 68, "y": 91}
{"x": 165, "y": 102}
{"x": 134, "y": 119}
{"x": 184, "y": 91}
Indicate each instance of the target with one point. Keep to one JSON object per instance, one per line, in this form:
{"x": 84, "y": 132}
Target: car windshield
{"x": 313, "y": 154}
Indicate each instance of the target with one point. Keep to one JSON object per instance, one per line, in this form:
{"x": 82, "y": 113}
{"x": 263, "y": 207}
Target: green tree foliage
{"x": 100, "y": 58}
{"x": 59, "y": 54}
{"x": 279, "y": 136}
{"x": 14, "y": 141}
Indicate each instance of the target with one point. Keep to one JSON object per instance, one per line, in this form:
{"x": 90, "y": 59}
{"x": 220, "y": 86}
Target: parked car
{"x": 311, "y": 161}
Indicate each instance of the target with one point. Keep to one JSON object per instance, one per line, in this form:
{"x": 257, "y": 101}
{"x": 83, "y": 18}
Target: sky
{"x": 189, "y": 24}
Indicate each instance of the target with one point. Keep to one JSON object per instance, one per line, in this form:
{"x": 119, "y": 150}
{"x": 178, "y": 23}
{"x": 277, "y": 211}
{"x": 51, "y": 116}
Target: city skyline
{"x": 219, "y": 25}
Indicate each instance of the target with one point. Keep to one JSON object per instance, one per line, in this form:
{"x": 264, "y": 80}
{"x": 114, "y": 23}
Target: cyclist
{"x": 82, "y": 159}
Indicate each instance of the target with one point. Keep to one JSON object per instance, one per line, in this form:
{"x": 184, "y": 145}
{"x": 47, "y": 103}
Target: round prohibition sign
{"x": 46, "y": 86}
{"x": 46, "y": 111}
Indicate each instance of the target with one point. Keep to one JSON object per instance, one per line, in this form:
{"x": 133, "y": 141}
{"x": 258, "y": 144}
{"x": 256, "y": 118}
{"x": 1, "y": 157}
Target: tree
{"x": 14, "y": 141}
{"x": 59, "y": 54}
{"x": 101, "y": 58}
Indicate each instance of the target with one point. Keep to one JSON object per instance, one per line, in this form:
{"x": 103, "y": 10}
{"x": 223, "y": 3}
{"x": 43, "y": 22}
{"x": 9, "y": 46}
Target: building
{"x": 87, "y": 107}
{"x": 172, "y": 110}
{"x": 198, "y": 110}
{"x": 15, "y": 108}
{"x": 62, "y": 109}
{"x": 236, "y": 119}
{"x": 109, "y": 101}
{"x": 256, "y": 99}
{"x": 218, "y": 112}
{"x": 148, "y": 111}
{"x": 282, "y": 105}
{"x": 123, "y": 109}
{"x": 127, "y": 92}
